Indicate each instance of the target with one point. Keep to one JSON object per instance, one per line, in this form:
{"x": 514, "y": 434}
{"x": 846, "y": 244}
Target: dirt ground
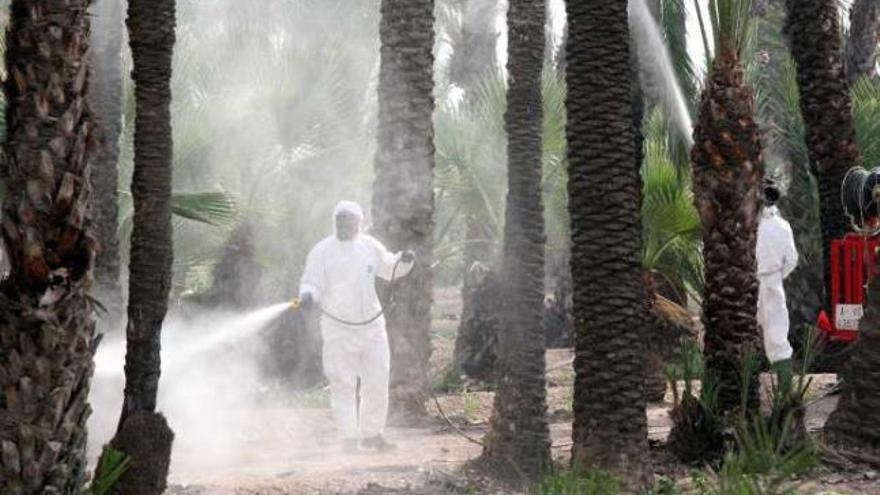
{"x": 291, "y": 450}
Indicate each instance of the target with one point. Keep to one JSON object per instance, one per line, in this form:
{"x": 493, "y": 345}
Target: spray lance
{"x": 296, "y": 303}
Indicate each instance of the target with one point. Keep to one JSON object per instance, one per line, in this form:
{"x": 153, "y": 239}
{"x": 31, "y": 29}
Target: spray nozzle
{"x": 295, "y": 303}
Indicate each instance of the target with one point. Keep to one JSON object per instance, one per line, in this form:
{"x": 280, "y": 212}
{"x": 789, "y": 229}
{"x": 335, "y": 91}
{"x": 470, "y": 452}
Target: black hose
{"x": 379, "y": 314}
{"x": 857, "y": 195}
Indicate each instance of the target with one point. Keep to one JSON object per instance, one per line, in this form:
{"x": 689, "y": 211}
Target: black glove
{"x": 306, "y": 302}
{"x": 408, "y": 256}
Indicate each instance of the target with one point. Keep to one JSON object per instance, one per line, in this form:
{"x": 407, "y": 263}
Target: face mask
{"x": 347, "y": 226}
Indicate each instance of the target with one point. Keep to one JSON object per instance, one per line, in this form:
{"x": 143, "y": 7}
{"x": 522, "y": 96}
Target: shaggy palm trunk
{"x": 813, "y": 31}
{"x": 610, "y": 300}
{"x": 47, "y": 338}
{"x": 476, "y": 344}
{"x": 143, "y": 433}
{"x": 519, "y": 439}
{"x": 474, "y": 57}
{"x": 105, "y": 99}
{"x": 864, "y": 35}
{"x": 728, "y": 170}
{"x": 403, "y": 199}
{"x": 855, "y": 422}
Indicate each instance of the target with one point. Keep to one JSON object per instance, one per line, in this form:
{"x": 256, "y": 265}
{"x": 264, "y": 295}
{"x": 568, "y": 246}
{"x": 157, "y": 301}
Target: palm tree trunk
{"x": 813, "y": 31}
{"x": 474, "y": 57}
{"x": 610, "y": 300}
{"x": 47, "y": 339}
{"x": 403, "y": 199}
{"x": 105, "y": 99}
{"x": 728, "y": 170}
{"x": 143, "y": 433}
{"x": 519, "y": 439}
{"x": 855, "y": 422}
{"x": 864, "y": 36}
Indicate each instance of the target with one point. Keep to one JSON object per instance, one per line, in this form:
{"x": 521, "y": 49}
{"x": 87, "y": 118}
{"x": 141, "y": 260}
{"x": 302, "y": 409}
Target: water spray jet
{"x": 650, "y": 41}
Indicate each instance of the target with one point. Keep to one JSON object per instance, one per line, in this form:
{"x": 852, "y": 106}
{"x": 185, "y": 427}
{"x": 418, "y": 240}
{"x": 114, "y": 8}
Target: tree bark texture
{"x": 610, "y": 300}
{"x": 728, "y": 170}
{"x": 403, "y": 198}
{"x": 864, "y": 36}
{"x": 151, "y": 31}
{"x": 813, "y": 32}
{"x": 519, "y": 438}
{"x": 151, "y": 37}
{"x": 147, "y": 439}
{"x": 47, "y": 338}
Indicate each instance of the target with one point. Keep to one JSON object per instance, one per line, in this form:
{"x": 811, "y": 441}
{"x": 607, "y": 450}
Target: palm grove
{"x": 599, "y": 182}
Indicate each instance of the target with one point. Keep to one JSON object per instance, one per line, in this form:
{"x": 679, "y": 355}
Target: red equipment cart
{"x": 853, "y": 265}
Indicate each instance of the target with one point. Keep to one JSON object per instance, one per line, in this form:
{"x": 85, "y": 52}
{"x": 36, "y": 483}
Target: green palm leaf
{"x": 866, "y": 114}
{"x": 671, "y": 229}
{"x": 212, "y": 208}
{"x": 731, "y": 23}
{"x": 674, "y": 26}
{"x": 217, "y": 209}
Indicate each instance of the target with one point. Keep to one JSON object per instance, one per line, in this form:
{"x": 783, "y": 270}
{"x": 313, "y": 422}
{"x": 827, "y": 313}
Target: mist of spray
{"x": 211, "y": 389}
{"x": 231, "y": 331}
{"x": 655, "y": 60}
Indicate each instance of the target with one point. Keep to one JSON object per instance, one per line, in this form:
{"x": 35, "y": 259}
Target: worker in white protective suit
{"x": 777, "y": 257}
{"x": 340, "y": 276}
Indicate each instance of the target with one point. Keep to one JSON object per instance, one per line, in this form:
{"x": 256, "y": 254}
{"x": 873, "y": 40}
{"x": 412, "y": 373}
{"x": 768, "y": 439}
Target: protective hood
{"x": 346, "y": 206}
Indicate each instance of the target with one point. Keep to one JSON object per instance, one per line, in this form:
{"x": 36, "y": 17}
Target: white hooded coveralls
{"x": 777, "y": 257}
{"x": 341, "y": 276}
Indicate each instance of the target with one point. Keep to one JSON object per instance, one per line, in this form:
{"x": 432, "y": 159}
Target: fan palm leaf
{"x": 671, "y": 229}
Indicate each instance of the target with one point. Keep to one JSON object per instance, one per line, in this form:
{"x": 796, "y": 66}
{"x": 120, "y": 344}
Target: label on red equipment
{"x": 847, "y": 316}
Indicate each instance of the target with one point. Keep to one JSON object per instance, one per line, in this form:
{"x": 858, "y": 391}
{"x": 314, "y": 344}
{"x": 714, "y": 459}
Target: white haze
{"x": 211, "y": 389}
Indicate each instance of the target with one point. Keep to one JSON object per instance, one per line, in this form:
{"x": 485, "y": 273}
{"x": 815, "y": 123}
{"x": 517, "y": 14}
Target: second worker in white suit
{"x": 340, "y": 275}
{"x": 777, "y": 257}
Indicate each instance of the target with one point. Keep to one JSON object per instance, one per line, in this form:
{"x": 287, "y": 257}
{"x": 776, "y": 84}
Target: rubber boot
{"x": 379, "y": 443}
{"x": 784, "y": 375}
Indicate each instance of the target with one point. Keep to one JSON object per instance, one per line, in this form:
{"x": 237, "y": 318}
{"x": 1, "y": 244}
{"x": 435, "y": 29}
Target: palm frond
{"x": 673, "y": 23}
{"x": 212, "y": 208}
{"x": 554, "y": 158}
{"x": 778, "y": 99}
{"x": 731, "y": 23}
{"x": 470, "y": 157}
{"x": 866, "y": 114}
{"x": 704, "y": 35}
